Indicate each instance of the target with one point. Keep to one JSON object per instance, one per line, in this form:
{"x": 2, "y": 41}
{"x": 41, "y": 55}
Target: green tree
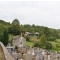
{"x": 15, "y": 27}
{"x": 48, "y": 46}
{"x": 43, "y": 41}
{"x": 37, "y": 44}
{"x": 1, "y": 29}
{"x": 57, "y": 46}
{"x": 51, "y": 38}
{"x": 5, "y": 37}
{"x": 27, "y": 38}
{"x": 27, "y": 27}
{"x": 46, "y": 31}
{"x": 16, "y": 22}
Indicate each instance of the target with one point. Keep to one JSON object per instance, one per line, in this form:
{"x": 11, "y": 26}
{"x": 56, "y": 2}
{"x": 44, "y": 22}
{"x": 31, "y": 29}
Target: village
{"x": 19, "y": 51}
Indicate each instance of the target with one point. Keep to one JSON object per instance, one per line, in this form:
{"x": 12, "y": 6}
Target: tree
{"x": 46, "y": 31}
{"x": 43, "y": 39}
{"x": 16, "y": 22}
{"x": 37, "y": 44}
{"x": 23, "y": 30}
{"x": 15, "y": 27}
{"x": 27, "y": 27}
{"x": 48, "y": 46}
{"x": 57, "y": 46}
{"x": 5, "y": 37}
{"x": 55, "y": 33}
{"x": 51, "y": 38}
{"x": 27, "y": 38}
{"x": 1, "y": 29}
{"x": 1, "y": 37}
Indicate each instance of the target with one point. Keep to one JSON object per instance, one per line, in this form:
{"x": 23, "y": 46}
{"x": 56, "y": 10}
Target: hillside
{"x": 47, "y": 36}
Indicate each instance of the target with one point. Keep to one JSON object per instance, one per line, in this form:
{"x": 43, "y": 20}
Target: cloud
{"x": 40, "y": 13}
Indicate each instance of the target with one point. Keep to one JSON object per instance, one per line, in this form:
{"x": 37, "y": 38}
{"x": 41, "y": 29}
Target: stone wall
{"x": 2, "y": 57}
{"x": 7, "y": 55}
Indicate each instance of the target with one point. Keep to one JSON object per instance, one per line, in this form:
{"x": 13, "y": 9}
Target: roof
{"x": 28, "y": 33}
{"x": 37, "y": 33}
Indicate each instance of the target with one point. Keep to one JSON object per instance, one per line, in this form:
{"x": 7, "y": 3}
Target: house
{"x": 28, "y": 34}
{"x": 19, "y": 41}
{"x": 32, "y": 34}
{"x": 36, "y": 33}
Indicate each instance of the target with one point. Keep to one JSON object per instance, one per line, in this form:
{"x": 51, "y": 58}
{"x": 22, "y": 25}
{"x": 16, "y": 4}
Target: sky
{"x": 42, "y": 13}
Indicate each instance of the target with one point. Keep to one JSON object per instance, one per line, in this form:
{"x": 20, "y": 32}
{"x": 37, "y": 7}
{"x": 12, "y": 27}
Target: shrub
{"x": 36, "y": 45}
{"x": 27, "y": 38}
{"x": 48, "y": 46}
{"x": 51, "y": 38}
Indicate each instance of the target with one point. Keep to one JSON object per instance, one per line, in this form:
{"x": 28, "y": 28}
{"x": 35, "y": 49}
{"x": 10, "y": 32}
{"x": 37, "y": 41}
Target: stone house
{"x": 19, "y": 41}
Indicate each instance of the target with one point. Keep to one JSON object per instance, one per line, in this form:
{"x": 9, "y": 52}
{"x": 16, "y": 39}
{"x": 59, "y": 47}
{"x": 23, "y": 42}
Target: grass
{"x": 34, "y": 39}
{"x": 29, "y": 43}
{"x": 11, "y": 37}
{"x": 54, "y": 43}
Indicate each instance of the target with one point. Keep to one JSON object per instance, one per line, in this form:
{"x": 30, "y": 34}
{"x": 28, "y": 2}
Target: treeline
{"x": 16, "y": 28}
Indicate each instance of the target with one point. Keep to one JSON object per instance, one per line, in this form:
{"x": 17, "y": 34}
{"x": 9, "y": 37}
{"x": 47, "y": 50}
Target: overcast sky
{"x": 38, "y": 13}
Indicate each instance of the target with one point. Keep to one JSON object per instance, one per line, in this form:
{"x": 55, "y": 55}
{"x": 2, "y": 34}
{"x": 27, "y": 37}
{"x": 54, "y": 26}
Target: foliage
{"x": 27, "y": 38}
{"x": 29, "y": 43}
{"x": 37, "y": 45}
{"x": 45, "y": 37}
{"x": 51, "y": 38}
{"x": 1, "y": 37}
{"x": 44, "y": 43}
{"x": 48, "y": 46}
{"x": 10, "y": 37}
{"x": 4, "y": 23}
{"x": 1, "y": 29}
{"x": 5, "y": 37}
{"x": 16, "y": 22}
{"x": 43, "y": 40}
{"x": 16, "y": 47}
{"x": 46, "y": 31}
{"x": 15, "y": 27}
{"x": 57, "y": 46}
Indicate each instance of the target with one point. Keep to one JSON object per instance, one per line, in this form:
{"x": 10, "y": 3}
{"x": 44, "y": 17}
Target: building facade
{"x": 19, "y": 41}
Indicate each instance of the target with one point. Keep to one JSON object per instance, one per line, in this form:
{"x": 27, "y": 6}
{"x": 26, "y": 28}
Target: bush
{"x": 36, "y": 45}
{"x": 48, "y": 46}
{"x": 51, "y": 38}
{"x": 27, "y": 38}
{"x": 16, "y": 47}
